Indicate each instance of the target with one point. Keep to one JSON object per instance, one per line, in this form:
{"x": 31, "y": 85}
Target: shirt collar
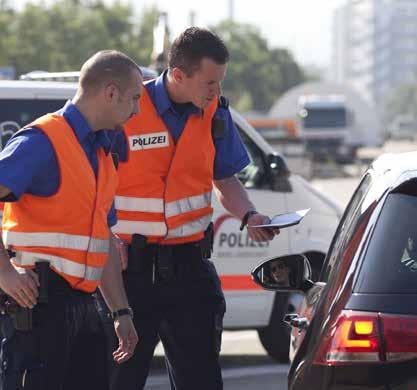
{"x": 82, "y": 129}
{"x": 77, "y": 121}
{"x": 162, "y": 101}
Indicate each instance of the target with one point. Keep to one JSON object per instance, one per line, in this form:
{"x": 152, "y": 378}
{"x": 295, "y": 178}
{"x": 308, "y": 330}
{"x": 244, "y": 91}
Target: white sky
{"x": 303, "y": 26}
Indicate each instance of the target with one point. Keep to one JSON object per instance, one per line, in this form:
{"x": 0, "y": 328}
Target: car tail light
{"x": 355, "y": 337}
{"x": 358, "y": 337}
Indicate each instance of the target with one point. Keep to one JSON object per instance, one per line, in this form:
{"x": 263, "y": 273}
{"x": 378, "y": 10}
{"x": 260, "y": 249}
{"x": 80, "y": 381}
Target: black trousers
{"x": 66, "y": 349}
{"x": 185, "y": 313}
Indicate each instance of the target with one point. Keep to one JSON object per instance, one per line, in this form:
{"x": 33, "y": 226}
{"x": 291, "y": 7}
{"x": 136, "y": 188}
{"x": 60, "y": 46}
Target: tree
{"x": 44, "y": 37}
{"x": 6, "y": 15}
{"x": 61, "y": 35}
{"x": 143, "y": 37}
{"x": 257, "y": 75}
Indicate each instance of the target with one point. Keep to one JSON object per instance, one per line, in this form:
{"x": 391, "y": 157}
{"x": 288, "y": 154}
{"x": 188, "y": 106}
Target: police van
{"x": 272, "y": 188}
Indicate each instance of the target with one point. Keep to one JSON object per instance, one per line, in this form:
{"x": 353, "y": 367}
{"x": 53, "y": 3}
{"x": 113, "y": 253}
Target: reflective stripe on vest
{"x": 150, "y": 205}
{"x": 159, "y": 228}
{"x": 145, "y": 228}
{"x": 185, "y": 205}
{"x": 190, "y": 228}
{"x": 155, "y": 205}
{"x": 65, "y": 266}
{"x": 57, "y": 240}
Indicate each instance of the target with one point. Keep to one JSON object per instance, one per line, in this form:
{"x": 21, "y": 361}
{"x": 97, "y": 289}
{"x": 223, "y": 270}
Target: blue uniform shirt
{"x": 231, "y": 156}
{"x": 28, "y": 163}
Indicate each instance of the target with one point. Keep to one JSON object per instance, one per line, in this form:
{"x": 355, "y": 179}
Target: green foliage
{"x": 6, "y": 14}
{"x": 254, "y": 68}
{"x": 61, "y": 35}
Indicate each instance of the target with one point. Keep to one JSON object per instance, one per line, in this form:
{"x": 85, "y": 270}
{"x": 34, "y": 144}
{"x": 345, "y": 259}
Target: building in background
{"x": 375, "y": 46}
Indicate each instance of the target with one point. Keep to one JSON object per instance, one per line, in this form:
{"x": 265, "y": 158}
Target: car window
{"x": 253, "y": 175}
{"x": 351, "y": 220}
{"x": 390, "y": 262}
{"x": 16, "y": 113}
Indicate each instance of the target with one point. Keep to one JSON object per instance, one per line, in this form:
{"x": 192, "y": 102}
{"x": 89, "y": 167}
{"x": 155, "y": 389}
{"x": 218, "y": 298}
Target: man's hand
{"x": 22, "y": 285}
{"x": 128, "y": 338}
{"x": 260, "y": 234}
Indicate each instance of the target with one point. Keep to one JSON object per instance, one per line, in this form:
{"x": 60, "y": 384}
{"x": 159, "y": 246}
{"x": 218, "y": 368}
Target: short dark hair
{"x": 105, "y": 67}
{"x": 194, "y": 44}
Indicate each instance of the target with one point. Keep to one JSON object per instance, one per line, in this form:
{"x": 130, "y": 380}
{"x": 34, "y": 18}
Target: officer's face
{"x": 125, "y": 103}
{"x": 204, "y": 84}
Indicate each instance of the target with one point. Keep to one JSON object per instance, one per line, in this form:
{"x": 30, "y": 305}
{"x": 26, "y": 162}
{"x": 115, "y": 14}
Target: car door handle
{"x": 289, "y": 317}
{"x": 296, "y": 321}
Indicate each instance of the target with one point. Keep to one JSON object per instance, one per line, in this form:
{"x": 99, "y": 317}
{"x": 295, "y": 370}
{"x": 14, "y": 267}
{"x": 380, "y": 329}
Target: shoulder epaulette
{"x": 223, "y": 102}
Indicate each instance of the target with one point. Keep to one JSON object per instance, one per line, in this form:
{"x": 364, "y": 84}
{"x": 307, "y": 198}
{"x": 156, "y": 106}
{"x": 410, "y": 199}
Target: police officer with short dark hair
{"x": 59, "y": 179}
{"x": 182, "y": 142}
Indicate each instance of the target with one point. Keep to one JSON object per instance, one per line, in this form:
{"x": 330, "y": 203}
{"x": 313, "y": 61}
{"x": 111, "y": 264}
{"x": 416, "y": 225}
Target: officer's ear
{"x": 111, "y": 92}
{"x": 178, "y": 75}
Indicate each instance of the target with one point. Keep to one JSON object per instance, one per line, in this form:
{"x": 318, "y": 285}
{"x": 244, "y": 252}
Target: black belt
{"x": 139, "y": 243}
{"x": 161, "y": 256}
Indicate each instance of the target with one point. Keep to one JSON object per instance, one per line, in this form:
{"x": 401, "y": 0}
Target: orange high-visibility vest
{"x": 165, "y": 189}
{"x": 68, "y": 229}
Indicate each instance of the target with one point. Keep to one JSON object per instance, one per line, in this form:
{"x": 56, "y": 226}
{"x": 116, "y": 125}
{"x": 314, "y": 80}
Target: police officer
{"x": 182, "y": 142}
{"x": 59, "y": 179}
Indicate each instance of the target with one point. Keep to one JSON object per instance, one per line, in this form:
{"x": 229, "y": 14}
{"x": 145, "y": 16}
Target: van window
{"x": 23, "y": 111}
{"x": 253, "y": 175}
{"x": 390, "y": 263}
{"x": 16, "y": 113}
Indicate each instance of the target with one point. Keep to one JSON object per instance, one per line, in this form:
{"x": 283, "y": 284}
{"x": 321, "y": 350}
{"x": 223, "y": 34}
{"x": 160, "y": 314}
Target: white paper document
{"x": 285, "y": 220}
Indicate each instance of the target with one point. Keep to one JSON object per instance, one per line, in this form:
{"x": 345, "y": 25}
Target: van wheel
{"x": 275, "y": 338}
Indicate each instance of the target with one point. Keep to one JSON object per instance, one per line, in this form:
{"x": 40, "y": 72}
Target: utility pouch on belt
{"x": 164, "y": 263}
{"x": 21, "y": 317}
{"x": 206, "y": 244}
{"x": 137, "y": 259}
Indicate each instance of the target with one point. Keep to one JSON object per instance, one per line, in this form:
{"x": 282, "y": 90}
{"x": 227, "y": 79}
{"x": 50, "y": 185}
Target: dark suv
{"x": 357, "y": 326}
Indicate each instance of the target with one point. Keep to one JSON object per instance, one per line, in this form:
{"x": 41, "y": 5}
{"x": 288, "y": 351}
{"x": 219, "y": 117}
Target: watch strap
{"x": 122, "y": 312}
{"x": 246, "y": 217}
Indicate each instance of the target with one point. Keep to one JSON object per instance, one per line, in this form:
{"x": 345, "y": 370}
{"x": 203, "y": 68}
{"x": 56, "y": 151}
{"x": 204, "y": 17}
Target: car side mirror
{"x": 278, "y": 173}
{"x": 286, "y": 274}
{"x": 277, "y": 165}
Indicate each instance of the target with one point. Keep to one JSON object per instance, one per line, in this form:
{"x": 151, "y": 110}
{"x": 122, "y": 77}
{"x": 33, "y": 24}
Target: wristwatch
{"x": 246, "y": 218}
{"x": 122, "y": 312}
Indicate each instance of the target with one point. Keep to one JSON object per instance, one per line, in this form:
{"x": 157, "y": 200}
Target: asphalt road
{"x": 245, "y": 364}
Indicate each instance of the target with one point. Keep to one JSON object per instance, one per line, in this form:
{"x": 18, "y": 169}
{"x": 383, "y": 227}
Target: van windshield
{"x": 16, "y": 113}
{"x": 390, "y": 263}
{"x": 324, "y": 118}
